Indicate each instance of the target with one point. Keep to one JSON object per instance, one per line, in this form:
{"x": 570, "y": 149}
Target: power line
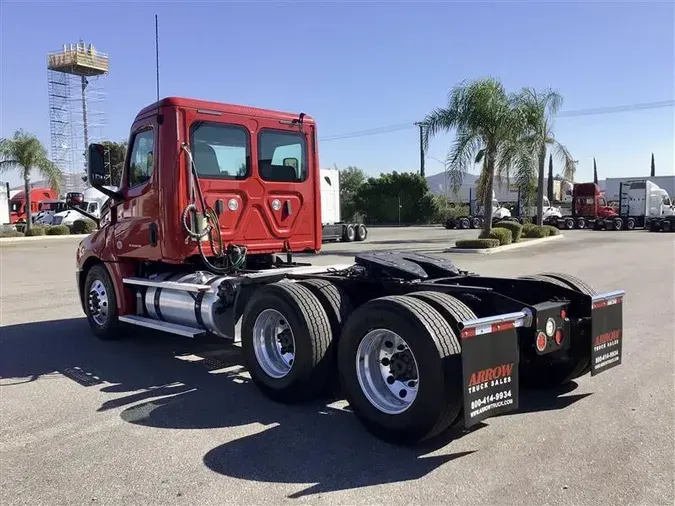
{"x": 563, "y": 114}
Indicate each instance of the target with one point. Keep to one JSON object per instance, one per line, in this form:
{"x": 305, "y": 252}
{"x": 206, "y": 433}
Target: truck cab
{"x": 589, "y": 208}
{"x": 47, "y": 210}
{"x": 17, "y": 203}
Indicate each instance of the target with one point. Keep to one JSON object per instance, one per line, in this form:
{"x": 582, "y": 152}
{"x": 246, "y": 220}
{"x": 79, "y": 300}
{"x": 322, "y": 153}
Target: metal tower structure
{"x": 77, "y": 116}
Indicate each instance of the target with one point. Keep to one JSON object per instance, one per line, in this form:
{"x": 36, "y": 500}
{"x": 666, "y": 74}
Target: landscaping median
{"x": 507, "y": 235}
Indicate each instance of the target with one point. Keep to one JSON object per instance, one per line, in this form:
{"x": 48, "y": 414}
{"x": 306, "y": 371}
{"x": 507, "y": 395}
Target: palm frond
{"x": 563, "y": 154}
{"x": 51, "y": 173}
{"x": 7, "y": 165}
{"x": 461, "y": 156}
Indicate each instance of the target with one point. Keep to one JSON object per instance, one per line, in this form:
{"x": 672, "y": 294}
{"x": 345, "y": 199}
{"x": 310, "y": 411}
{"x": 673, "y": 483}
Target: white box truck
{"x": 334, "y": 229}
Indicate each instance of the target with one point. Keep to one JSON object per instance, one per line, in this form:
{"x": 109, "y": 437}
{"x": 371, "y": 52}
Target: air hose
{"x": 233, "y": 256}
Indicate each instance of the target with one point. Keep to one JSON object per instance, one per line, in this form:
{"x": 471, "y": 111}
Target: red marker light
{"x": 558, "y": 337}
{"x": 541, "y": 342}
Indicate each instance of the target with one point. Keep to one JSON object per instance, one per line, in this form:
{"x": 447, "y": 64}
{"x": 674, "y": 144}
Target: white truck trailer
{"x": 334, "y": 229}
{"x": 642, "y": 204}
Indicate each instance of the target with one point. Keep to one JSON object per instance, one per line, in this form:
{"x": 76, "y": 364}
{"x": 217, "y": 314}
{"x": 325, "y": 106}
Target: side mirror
{"x": 74, "y": 199}
{"x": 96, "y": 173}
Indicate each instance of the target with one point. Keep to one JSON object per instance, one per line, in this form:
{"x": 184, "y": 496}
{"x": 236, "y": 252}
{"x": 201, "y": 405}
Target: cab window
{"x": 141, "y": 161}
{"x": 282, "y": 156}
{"x": 220, "y": 151}
{"x": 666, "y": 200}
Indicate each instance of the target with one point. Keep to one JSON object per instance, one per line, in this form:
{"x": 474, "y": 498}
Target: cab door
{"x": 136, "y": 231}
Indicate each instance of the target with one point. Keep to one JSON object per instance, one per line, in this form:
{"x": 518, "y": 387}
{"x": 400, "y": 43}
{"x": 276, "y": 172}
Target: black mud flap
{"x": 607, "y": 331}
{"x": 490, "y": 359}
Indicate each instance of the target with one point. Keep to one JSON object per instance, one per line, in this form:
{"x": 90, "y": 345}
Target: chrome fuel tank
{"x": 197, "y": 310}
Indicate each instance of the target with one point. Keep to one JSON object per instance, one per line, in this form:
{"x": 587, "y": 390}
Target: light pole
{"x": 445, "y": 178}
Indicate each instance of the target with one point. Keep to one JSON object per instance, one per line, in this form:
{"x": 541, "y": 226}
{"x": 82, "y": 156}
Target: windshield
{"x": 57, "y": 207}
{"x": 666, "y": 200}
{"x": 547, "y": 203}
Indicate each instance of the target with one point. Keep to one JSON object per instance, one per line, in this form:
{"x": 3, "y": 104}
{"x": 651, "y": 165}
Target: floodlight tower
{"x": 75, "y": 117}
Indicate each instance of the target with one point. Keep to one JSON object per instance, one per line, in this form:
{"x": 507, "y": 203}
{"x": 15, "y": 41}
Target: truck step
{"x": 169, "y": 285}
{"x": 171, "y": 328}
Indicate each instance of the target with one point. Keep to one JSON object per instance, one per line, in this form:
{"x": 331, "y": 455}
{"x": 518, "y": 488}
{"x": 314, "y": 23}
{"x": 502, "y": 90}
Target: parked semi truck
{"x": 36, "y": 197}
{"x": 333, "y": 228}
{"x": 642, "y": 202}
{"x": 417, "y": 343}
{"x": 589, "y": 208}
{"x": 475, "y": 217}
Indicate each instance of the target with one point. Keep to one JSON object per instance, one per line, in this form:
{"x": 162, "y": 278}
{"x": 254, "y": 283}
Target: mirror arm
{"x": 85, "y": 213}
{"x": 114, "y": 195}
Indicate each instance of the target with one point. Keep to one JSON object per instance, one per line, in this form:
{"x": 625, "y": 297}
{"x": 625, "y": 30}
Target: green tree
{"x": 549, "y": 180}
{"x": 396, "y": 198}
{"x": 653, "y": 171}
{"x": 351, "y": 179}
{"x": 489, "y": 128}
{"x": 25, "y": 153}
{"x": 539, "y": 108}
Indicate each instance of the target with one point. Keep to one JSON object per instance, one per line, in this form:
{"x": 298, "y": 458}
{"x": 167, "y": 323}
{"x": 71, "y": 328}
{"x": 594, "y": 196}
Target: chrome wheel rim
{"x": 273, "y": 343}
{"x": 387, "y": 371}
{"x": 98, "y": 302}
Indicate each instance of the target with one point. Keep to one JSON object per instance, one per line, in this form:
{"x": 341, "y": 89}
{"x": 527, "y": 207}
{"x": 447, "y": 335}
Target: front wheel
{"x": 100, "y": 303}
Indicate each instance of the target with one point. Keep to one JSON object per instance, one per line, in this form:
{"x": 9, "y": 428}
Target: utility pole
{"x": 421, "y": 125}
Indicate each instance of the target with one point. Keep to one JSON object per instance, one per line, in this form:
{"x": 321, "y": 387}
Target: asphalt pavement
{"x": 160, "y": 420}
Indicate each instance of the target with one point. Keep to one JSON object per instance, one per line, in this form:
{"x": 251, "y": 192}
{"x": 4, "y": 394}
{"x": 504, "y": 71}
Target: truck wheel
{"x": 286, "y": 340}
{"x": 569, "y": 223}
{"x": 338, "y": 307}
{"x": 361, "y": 232}
{"x": 630, "y": 224}
{"x": 617, "y": 224}
{"x": 581, "y": 223}
{"x": 449, "y": 224}
{"x": 401, "y": 369}
{"x": 101, "y": 304}
{"x": 476, "y": 223}
{"x": 544, "y": 372}
{"x": 349, "y": 233}
{"x": 464, "y": 223}
{"x": 667, "y": 226}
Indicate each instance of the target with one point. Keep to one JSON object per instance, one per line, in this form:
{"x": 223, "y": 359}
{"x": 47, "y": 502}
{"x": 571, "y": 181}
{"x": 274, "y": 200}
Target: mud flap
{"x": 607, "y": 331}
{"x": 490, "y": 359}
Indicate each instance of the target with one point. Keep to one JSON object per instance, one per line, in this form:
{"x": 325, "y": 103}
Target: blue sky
{"x": 356, "y": 66}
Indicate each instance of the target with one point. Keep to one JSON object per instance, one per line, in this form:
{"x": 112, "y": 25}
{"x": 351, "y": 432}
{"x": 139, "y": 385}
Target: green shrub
{"x": 515, "y": 228}
{"x": 535, "y": 232}
{"x": 58, "y": 230}
{"x": 36, "y": 230}
{"x": 551, "y": 229}
{"x": 10, "y": 233}
{"x": 85, "y": 226}
{"x": 477, "y": 243}
{"x": 502, "y": 234}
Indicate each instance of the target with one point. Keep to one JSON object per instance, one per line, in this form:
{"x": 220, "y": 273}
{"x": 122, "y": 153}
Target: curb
{"x": 18, "y": 240}
{"x": 499, "y": 249}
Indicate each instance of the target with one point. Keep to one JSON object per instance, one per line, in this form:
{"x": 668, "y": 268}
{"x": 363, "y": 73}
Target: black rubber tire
{"x": 361, "y": 232}
{"x": 349, "y": 233}
{"x": 577, "y": 363}
{"x": 338, "y": 307}
{"x": 112, "y": 329}
{"x": 450, "y": 308}
{"x": 544, "y": 279}
{"x": 437, "y": 352}
{"x": 630, "y": 224}
{"x": 581, "y": 223}
{"x": 464, "y": 223}
{"x": 450, "y": 224}
{"x": 617, "y": 224}
{"x": 476, "y": 223}
{"x": 569, "y": 223}
{"x": 313, "y": 364}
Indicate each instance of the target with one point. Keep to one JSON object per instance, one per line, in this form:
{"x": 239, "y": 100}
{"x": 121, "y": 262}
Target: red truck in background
{"x": 589, "y": 208}
{"x": 17, "y": 204}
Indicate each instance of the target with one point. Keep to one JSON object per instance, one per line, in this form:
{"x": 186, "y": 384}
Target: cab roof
{"x": 192, "y": 103}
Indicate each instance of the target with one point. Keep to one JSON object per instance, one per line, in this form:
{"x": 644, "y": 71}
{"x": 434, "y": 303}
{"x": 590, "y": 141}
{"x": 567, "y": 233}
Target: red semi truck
{"x": 589, "y": 208}
{"x": 17, "y": 203}
{"x": 200, "y": 236}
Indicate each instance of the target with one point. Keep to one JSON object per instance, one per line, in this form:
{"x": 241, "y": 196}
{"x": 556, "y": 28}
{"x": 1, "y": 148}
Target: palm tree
{"x": 540, "y": 108}
{"x": 25, "y": 152}
{"x": 488, "y": 126}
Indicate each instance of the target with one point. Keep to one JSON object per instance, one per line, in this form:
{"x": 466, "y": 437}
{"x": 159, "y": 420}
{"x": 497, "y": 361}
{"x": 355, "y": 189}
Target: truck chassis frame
{"x": 417, "y": 344}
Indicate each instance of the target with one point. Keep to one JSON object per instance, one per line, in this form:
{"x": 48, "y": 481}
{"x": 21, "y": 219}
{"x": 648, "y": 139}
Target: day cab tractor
{"x": 215, "y": 199}
{"x": 589, "y": 209}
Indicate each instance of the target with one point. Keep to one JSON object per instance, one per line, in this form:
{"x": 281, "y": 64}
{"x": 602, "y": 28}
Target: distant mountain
{"x": 437, "y": 182}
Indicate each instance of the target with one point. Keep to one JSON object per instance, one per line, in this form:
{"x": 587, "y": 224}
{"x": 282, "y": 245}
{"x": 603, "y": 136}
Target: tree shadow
{"x": 167, "y": 382}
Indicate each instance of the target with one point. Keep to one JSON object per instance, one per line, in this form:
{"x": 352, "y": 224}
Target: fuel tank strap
{"x": 198, "y": 303}
{"x": 158, "y": 307}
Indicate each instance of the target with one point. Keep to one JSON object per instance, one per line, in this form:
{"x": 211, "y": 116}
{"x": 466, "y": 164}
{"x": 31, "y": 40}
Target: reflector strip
{"x": 608, "y": 302}
{"x": 487, "y": 329}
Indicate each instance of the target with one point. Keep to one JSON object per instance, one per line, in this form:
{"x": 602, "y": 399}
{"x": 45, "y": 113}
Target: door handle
{"x": 288, "y": 209}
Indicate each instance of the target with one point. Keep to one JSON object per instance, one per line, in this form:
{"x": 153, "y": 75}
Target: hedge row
{"x": 85, "y": 226}
{"x": 508, "y": 232}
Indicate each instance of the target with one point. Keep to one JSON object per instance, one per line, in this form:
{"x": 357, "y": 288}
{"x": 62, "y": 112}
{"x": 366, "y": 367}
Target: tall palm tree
{"x": 26, "y": 153}
{"x": 540, "y": 108}
{"x": 487, "y": 127}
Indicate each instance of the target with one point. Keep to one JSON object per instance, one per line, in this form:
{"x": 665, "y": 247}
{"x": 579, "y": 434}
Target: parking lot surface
{"x": 160, "y": 420}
